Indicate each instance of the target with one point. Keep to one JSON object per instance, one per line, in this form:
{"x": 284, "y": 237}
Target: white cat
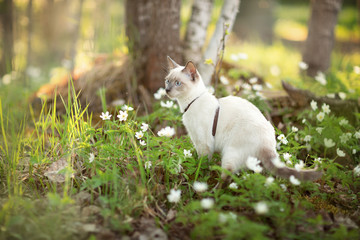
{"x": 231, "y": 126}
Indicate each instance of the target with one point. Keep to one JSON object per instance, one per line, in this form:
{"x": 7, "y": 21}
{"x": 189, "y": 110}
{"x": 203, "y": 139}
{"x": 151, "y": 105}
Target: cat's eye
{"x": 167, "y": 81}
{"x": 177, "y": 83}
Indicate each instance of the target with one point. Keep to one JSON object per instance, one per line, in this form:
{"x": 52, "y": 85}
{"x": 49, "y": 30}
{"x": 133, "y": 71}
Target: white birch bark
{"x": 196, "y": 30}
{"x": 227, "y": 16}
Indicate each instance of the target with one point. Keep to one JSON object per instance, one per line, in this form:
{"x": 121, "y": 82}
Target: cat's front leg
{"x": 204, "y": 150}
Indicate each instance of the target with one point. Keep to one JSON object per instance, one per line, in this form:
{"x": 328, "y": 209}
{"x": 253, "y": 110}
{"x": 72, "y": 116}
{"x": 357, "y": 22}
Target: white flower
{"x": 253, "y": 80}
{"x": 166, "y": 132}
{"x": 313, "y": 105}
{"x": 269, "y": 181}
{"x": 91, "y": 157}
{"x": 223, "y": 218}
{"x": 200, "y": 186}
{"x": 144, "y": 127}
{"x": 105, "y": 116}
{"x": 354, "y": 151}
{"x": 127, "y": 108}
{"x": 234, "y": 57}
{"x": 243, "y": 56}
{"x": 296, "y": 137}
{"x": 318, "y": 161}
{"x": 157, "y": 96}
{"x": 224, "y": 80}
{"x": 304, "y": 120}
{"x": 239, "y": 56}
{"x": 261, "y": 208}
{"x": 294, "y": 129}
{"x": 139, "y": 134}
{"x": 329, "y": 142}
{"x": 122, "y": 116}
{"x": 330, "y": 95}
{"x": 275, "y": 70}
{"x": 320, "y": 77}
{"x": 357, "y": 170}
{"x": 357, "y": 134}
{"x": 283, "y": 186}
{"x": 160, "y": 93}
{"x": 287, "y": 156}
{"x": 303, "y": 65}
{"x": 345, "y": 137}
{"x": 342, "y": 95}
{"x": 252, "y": 163}
{"x": 340, "y": 153}
{"x": 299, "y": 166}
{"x": 207, "y": 203}
{"x": 257, "y": 87}
{"x": 148, "y": 165}
{"x": 174, "y": 195}
{"x": 33, "y": 72}
{"x": 282, "y": 139}
{"x": 246, "y": 86}
{"x": 278, "y": 163}
{"x": 178, "y": 167}
{"x": 320, "y": 116}
{"x": 294, "y": 180}
{"x": 278, "y": 145}
{"x": 187, "y": 153}
{"x": 142, "y": 142}
{"x": 167, "y": 104}
{"x": 344, "y": 122}
{"x": 356, "y": 69}
{"x": 326, "y": 108}
{"x": 307, "y": 138}
{"x": 319, "y": 130}
{"x": 233, "y": 186}
{"x": 268, "y": 85}
{"x": 210, "y": 89}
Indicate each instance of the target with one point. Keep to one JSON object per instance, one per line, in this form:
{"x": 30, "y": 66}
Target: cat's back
{"x": 239, "y": 107}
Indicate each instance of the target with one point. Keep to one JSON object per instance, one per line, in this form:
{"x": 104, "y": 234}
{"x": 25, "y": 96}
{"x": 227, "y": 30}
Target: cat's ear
{"x": 171, "y": 63}
{"x": 191, "y": 70}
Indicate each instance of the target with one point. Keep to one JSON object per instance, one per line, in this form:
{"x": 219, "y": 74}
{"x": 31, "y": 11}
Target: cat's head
{"x": 182, "y": 80}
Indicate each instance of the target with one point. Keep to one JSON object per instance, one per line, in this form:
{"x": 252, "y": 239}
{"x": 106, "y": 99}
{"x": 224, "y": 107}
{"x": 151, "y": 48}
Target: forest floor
{"x": 136, "y": 175}
{"x": 67, "y": 173}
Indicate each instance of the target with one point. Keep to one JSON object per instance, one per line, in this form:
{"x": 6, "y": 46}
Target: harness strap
{"x": 216, "y": 117}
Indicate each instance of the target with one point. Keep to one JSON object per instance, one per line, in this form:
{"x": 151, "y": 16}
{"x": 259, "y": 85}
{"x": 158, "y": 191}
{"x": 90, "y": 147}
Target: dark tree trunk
{"x": 75, "y": 35}
{"x": 6, "y": 19}
{"x": 320, "y": 40}
{"x": 153, "y": 31}
{"x": 256, "y": 19}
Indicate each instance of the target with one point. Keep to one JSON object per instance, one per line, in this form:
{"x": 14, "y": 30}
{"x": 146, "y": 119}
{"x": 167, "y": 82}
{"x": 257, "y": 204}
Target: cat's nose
{"x": 167, "y": 90}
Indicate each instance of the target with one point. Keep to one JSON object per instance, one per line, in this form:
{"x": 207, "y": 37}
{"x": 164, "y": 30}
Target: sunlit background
{"x": 50, "y": 37}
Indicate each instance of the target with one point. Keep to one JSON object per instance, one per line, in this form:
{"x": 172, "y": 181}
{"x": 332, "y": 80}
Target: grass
{"x": 122, "y": 188}
{"x": 51, "y": 188}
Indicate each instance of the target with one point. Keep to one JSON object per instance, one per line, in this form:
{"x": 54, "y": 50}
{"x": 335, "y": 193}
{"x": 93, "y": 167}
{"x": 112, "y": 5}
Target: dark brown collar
{"x": 187, "y": 107}
{"x": 190, "y": 104}
{"x": 216, "y": 117}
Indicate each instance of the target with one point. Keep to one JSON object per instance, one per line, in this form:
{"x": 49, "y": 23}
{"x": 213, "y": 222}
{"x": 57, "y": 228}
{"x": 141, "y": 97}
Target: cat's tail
{"x": 272, "y": 163}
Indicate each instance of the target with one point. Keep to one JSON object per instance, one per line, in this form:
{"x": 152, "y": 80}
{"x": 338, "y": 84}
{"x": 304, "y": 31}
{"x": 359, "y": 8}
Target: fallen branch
{"x": 302, "y": 98}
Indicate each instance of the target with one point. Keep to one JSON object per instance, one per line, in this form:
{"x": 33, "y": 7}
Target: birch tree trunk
{"x": 320, "y": 40}
{"x": 228, "y": 14}
{"x": 196, "y": 30}
{"x": 153, "y": 29}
